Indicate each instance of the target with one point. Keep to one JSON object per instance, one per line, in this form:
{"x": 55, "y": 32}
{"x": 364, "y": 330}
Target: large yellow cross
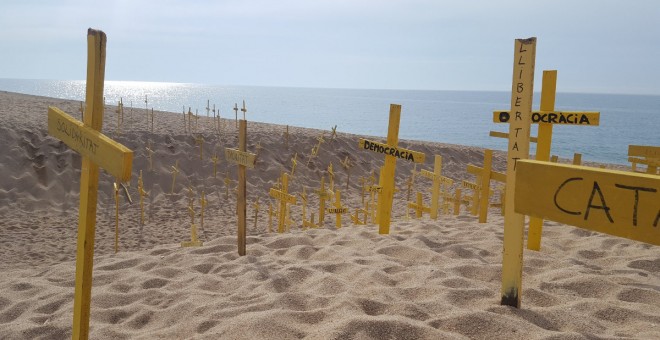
{"x": 97, "y": 150}
{"x": 392, "y": 152}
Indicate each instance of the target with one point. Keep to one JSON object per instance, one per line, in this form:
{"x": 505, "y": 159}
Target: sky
{"x": 596, "y": 46}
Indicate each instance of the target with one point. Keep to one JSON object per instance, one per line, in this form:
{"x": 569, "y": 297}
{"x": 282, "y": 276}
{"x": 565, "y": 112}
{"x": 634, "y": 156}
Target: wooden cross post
{"x": 411, "y": 181}
{"x": 644, "y": 154}
{"x": 185, "y": 128}
{"x": 202, "y": 202}
{"x": 294, "y": 162}
{"x": 150, "y": 153}
{"x": 285, "y": 198}
{"x": 419, "y": 206}
{"x": 120, "y": 115}
{"x": 116, "y": 217}
{"x": 199, "y": 140}
{"x": 244, "y": 160}
{"x": 577, "y": 159}
{"x": 438, "y": 180}
{"x": 270, "y": 217}
{"x": 215, "y": 160}
{"x": 142, "y": 194}
{"x": 194, "y": 241}
{"x": 338, "y": 209}
{"x": 392, "y": 152}
{"x": 227, "y": 184}
{"x": 331, "y": 175}
{"x": 303, "y": 199}
{"x": 334, "y": 133}
{"x": 174, "y": 171}
{"x": 97, "y": 150}
{"x": 236, "y": 111}
{"x": 208, "y": 107}
{"x": 546, "y": 118}
{"x": 152, "y": 120}
{"x": 518, "y": 148}
{"x": 190, "y": 115}
{"x": 347, "y": 167}
{"x": 256, "y": 212}
{"x": 244, "y": 110}
{"x": 323, "y": 195}
{"x": 483, "y": 190}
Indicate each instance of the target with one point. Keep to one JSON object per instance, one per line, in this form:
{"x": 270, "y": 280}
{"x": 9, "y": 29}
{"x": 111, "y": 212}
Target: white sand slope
{"x": 426, "y": 280}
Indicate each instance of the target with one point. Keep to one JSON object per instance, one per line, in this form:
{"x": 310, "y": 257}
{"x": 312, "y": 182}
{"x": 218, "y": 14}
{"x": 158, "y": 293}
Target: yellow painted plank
{"x": 522, "y": 89}
{"x": 290, "y": 199}
{"x": 619, "y": 203}
{"x": 337, "y": 210}
{"x": 494, "y": 175}
{"x": 498, "y": 134}
{"x": 240, "y": 157}
{"x": 115, "y": 158}
{"x": 586, "y": 118}
{"x": 548, "y": 94}
{"x": 645, "y": 161}
{"x": 389, "y": 150}
{"x": 644, "y": 151}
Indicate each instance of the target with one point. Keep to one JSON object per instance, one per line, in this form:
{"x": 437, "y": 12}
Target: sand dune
{"x": 426, "y": 280}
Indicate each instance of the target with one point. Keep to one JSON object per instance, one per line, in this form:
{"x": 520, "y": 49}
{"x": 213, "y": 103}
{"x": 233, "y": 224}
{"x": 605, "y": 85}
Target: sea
{"x": 455, "y": 117}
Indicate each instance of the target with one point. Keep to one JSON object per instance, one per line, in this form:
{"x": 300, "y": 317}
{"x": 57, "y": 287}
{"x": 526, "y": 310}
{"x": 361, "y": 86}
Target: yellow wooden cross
{"x": 270, "y": 217}
{"x": 419, "y": 206}
{"x": 236, "y": 111}
{"x": 215, "y": 160}
{"x": 518, "y": 148}
{"x": 244, "y": 160}
{"x": 347, "y": 166}
{"x": 202, "y": 202}
{"x": 323, "y": 196}
{"x": 334, "y": 133}
{"x": 150, "y": 153}
{"x": 546, "y": 118}
{"x": 194, "y": 241}
{"x": 227, "y": 184}
{"x": 208, "y": 107}
{"x": 120, "y": 115}
{"x": 392, "y": 152}
{"x": 303, "y": 199}
{"x": 244, "y": 110}
{"x": 483, "y": 191}
{"x": 174, "y": 171}
{"x": 438, "y": 181}
{"x": 356, "y": 218}
{"x": 97, "y": 150}
{"x": 142, "y": 194}
{"x": 294, "y": 162}
{"x": 644, "y": 154}
{"x": 255, "y": 205}
{"x": 116, "y": 217}
{"x": 152, "y": 120}
{"x": 331, "y": 175}
{"x": 619, "y": 203}
{"x": 338, "y": 210}
{"x": 285, "y": 198}
{"x": 411, "y": 181}
{"x": 190, "y": 116}
{"x": 199, "y": 140}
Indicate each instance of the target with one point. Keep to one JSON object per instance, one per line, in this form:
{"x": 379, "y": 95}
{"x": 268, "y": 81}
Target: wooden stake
{"x": 518, "y": 148}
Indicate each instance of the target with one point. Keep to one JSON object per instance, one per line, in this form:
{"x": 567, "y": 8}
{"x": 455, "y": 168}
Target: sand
{"x": 425, "y": 280}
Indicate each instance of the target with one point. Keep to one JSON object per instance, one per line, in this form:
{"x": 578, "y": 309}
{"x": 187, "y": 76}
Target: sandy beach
{"x": 427, "y": 279}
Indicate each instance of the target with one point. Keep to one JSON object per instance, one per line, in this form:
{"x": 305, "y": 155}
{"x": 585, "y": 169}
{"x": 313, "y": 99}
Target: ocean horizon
{"x": 454, "y": 117}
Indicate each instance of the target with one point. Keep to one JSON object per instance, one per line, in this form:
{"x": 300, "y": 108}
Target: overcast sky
{"x": 596, "y": 46}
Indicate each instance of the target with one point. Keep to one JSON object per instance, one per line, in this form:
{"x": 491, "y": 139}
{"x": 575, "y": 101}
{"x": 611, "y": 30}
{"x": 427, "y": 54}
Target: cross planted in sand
{"x": 97, "y": 150}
